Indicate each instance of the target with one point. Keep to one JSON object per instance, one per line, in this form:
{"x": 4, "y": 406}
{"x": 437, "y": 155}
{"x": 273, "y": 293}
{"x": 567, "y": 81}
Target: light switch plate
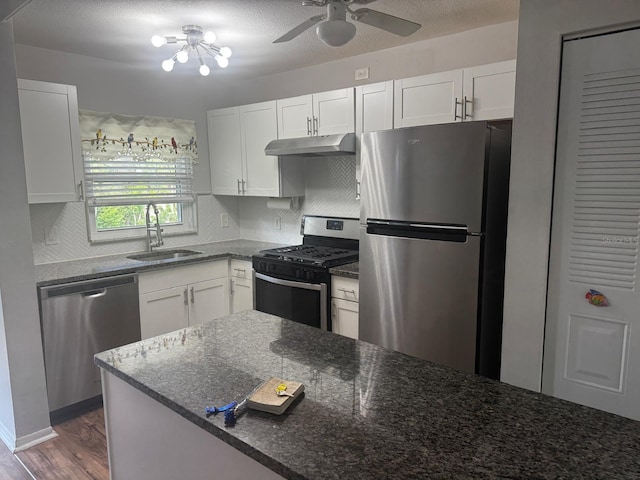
{"x": 277, "y": 223}
{"x": 362, "y": 73}
{"x": 224, "y": 220}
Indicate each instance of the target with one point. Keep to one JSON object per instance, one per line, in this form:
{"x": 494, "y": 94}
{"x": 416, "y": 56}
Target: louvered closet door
{"x": 592, "y": 353}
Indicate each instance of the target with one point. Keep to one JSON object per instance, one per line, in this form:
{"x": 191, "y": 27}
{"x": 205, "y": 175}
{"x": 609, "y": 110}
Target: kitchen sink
{"x": 163, "y": 255}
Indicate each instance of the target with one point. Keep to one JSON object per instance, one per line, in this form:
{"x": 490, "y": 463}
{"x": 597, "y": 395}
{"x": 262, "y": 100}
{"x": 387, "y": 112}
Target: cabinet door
{"x": 51, "y": 141}
{"x": 489, "y": 91}
{"x": 428, "y": 99}
{"x": 295, "y": 117}
{"x": 259, "y": 127}
{"x": 241, "y": 294}
{"x": 225, "y": 151}
{"x": 344, "y": 317}
{"x": 374, "y": 107}
{"x": 163, "y": 311}
{"x": 208, "y": 300}
{"x": 333, "y": 112}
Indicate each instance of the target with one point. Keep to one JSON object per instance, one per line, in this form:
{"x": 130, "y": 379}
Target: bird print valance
{"x": 144, "y": 136}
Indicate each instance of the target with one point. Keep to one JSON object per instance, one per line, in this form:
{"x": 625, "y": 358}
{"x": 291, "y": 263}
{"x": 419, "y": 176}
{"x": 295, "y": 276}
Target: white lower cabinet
{"x": 344, "y": 306}
{"x": 174, "y": 298}
{"x": 241, "y": 285}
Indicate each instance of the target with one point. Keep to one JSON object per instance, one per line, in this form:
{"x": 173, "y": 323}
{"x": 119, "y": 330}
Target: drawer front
{"x": 240, "y": 268}
{"x": 345, "y": 288}
{"x": 181, "y": 275}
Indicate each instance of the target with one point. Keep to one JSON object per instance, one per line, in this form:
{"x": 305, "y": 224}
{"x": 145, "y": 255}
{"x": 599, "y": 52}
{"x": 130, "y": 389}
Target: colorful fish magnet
{"x": 596, "y": 298}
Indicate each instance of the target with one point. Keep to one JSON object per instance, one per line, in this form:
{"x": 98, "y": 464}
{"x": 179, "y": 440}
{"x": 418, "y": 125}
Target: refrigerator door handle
{"x": 425, "y": 231}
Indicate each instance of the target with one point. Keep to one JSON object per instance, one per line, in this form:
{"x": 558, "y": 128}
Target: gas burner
{"x": 312, "y": 254}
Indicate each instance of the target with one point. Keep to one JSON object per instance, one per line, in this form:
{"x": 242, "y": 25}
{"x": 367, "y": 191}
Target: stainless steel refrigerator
{"x": 432, "y": 241}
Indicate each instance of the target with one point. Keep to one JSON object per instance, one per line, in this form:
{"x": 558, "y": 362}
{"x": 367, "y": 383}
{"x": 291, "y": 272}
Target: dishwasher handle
{"x": 88, "y": 288}
{"x": 95, "y": 293}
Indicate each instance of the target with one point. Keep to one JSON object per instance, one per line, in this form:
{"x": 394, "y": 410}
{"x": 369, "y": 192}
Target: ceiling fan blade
{"x": 294, "y": 32}
{"x": 387, "y": 22}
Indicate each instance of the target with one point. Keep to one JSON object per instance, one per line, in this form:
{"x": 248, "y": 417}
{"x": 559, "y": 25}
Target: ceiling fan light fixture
{"x": 196, "y": 41}
{"x": 336, "y": 33}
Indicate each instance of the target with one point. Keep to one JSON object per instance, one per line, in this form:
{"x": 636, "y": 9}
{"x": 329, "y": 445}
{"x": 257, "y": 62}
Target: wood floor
{"x": 78, "y": 453}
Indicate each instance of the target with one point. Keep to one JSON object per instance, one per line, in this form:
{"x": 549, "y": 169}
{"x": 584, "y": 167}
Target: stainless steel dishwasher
{"x": 80, "y": 319}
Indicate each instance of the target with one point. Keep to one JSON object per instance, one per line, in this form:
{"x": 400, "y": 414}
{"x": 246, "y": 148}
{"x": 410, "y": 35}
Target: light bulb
{"x": 167, "y": 65}
{"x": 158, "y": 41}
{"x": 223, "y": 62}
{"x": 182, "y": 56}
{"x": 209, "y": 37}
{"x": 225, "y": 52}
{"x": 204, "y": 70}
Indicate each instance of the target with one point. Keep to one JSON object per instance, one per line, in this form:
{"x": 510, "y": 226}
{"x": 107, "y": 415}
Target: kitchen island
{"x": 367, "y": 413}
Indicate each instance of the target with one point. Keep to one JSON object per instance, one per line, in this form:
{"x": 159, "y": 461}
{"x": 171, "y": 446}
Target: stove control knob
{"x": 299, "y": 273}
{"x": 271, "y": 268}
{"x": 309, "y": 275}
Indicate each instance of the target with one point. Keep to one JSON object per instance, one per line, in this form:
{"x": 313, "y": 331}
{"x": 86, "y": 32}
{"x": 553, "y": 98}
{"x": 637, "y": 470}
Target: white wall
{"x": 542, "y": 24}
{"x": 23, "y": 401}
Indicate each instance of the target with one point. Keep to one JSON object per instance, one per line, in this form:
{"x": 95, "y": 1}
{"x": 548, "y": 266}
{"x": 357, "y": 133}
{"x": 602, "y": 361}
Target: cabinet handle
{"x": 345, "y": 291}
{"x": 315, "y": 125}
{"x": 455, "y": 109}
{"x": 244, "y": 191}
{"x": 186, "y": 297}
{"x": 240, "y": 270}
{"x": 193, "y": 296}
{"x": 238, "y": 186}
{"x": 464, "y": 108}
{"x": 357, "y": 189}
{"x": 231, "y": 282}
{"x": 308, "y": 126}
{"x": 80, "y": 191}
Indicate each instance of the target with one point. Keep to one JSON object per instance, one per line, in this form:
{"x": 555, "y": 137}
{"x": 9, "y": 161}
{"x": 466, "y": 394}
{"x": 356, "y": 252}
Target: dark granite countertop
{"x": 350, "y": 270}
{"x": 86, "y": 269}
{"x": 370, "y": 413}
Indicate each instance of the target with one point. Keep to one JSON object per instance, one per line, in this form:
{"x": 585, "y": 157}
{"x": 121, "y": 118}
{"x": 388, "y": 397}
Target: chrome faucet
{"x": 159, "y": 242}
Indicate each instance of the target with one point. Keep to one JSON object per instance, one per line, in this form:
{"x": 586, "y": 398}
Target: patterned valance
{"x": 142, "y": 136}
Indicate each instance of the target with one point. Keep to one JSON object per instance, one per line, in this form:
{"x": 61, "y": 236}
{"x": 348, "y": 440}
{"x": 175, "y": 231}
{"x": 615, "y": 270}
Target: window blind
{"x": 127, "y": 180}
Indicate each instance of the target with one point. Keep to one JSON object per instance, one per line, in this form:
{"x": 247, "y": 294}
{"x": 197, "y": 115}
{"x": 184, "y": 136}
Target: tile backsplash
{"x": 330, "y": 190}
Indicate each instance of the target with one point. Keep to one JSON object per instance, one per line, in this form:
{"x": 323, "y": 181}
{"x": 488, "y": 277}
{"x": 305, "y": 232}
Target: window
{"x": 119, "y": 188}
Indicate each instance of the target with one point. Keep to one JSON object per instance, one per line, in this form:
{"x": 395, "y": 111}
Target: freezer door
{"x": 420, "y": 297}
{"x": 431, "y": 173}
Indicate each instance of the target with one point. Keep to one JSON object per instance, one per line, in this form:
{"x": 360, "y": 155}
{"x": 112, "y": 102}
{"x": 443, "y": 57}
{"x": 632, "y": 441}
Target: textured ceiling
{"x": 120, "y": 30}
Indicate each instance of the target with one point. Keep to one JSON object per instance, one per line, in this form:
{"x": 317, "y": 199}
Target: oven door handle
{"x": 318, "y": 287}
{"x": 290, "y": 283}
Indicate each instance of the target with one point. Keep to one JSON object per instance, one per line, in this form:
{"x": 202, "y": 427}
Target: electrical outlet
{"x": 224, "y": 220}
{"x": 362, "y": 73}
{"x": 51, "y": 235}
{"x": 277, "y": 223}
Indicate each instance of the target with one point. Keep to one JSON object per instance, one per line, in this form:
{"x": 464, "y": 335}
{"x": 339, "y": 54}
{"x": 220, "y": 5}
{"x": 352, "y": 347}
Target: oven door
{"x": 298, "y": 301}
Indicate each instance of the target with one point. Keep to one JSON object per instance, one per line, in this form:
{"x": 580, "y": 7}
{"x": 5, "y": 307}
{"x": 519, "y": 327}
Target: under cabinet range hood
{"x": 320, "y": 145}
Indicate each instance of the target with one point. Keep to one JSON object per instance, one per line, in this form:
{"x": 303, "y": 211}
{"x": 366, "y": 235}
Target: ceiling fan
{"x": 333, "y": 28}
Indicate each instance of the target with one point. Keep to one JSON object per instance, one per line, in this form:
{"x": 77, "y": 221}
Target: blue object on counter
{"x": 214, "y": 410}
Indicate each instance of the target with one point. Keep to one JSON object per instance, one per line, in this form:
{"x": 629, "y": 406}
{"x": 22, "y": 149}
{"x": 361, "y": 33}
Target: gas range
{"x": 294, "y": 281}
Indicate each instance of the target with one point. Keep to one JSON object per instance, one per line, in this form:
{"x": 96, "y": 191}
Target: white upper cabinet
{"x": 334, "y": 112}
{"x": 239, "y": 166}
{"x": 225, "y": 150}
{"x": 485, "y": 92}
{"x": 374, "y": 107}
{"x": 324, "y": 113}
{"x": 258, "y": 127}
{"x": 51, "y": 141}
{"x": 489, "y": 91}
{"x": 428, "y": 99}
{"x": 295, "y": 117}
